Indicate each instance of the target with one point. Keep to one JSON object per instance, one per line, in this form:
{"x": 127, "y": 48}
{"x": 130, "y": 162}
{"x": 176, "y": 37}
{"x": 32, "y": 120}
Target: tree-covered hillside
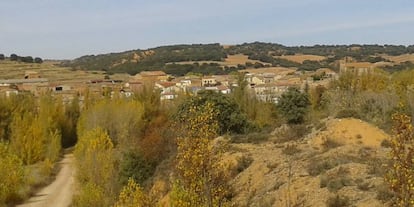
{"x": 157, "y": 58}
{"x": 164, "y": 57}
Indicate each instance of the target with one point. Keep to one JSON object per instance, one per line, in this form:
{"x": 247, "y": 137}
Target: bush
{"x": 90, "y": 195}
{"x": 348, "y": 113}
{"x": 384, "y": 194}
{"x": 338, "y": 201}
{"x": 329, "y": 143}
{"x": 335, "y": 182}
{"x": 250, "y": 138}
{"x": 14, "y": 57}
{"x": 135, "y": 166}
{"x": 226, "y": 112}
{"x": 38, "y": 60}
{"x": 292, "y": 132}
{"x": 364, "y": 186}
{"x": 243, "y": 163}
{"x": 291, "y": 149}
{"x": 293, "y": 105}
{"x": 386, "y": 143}
{"x": 318, "y": 166}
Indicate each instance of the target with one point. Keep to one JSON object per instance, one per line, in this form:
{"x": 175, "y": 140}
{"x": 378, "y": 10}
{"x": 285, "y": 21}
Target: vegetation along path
{"x": 59, "y": 193}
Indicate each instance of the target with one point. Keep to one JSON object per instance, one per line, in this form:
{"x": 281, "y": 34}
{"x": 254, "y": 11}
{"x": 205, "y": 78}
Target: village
{"x": 267, "y": 84}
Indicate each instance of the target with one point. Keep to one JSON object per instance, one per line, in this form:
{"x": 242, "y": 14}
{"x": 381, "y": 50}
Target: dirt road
{"x": 60, "y": 192}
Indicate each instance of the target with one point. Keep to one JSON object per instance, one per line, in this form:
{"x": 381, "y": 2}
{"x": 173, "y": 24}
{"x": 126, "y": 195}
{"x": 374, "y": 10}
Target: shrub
{"x": 335, "y": 182}
{"x": 318, "y": 166}
{"x": 386, "y": 143}
{"x": 291, "y": 149}
{"x": 293, "y": 105}
{"x": 364, "y": 186}
{"x": 90, "y": 195}
{"x": 384, "y": 193}
{"x": 338, "y": 201}
{"x": 243, "y": 163}
{"x": 132, "y": 195}
{"x": 250, "y": 138}
{"x": 292, "y": 132}
{"x": 226, "y": 112}
{"x": 135, "y": 166}
{"x": 329, "y": 143}
{"x": 377, "y": 167}
{"x": 348, "y": 113}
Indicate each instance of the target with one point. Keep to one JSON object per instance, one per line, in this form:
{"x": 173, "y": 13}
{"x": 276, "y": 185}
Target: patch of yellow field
{"x": 300, "y": 58}
{"x": 400, "y": 58}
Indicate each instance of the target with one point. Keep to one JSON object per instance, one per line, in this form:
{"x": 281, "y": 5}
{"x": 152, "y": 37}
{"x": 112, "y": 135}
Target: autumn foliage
{"x": 95, "y": 169}
{"x": 401, "y": 174}
{"x": 201, "y": 179}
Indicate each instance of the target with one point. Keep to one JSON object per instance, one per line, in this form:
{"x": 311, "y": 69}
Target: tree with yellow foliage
{"x": 11, "y": 174}
{"x": 27, "y": 139}
{"x": 132, "y": 195}
{"x": 35, "y": 135}
{"x": 201, "y": 179}
{"x": 96, "y": 172}
{"x": 401, "y": 174}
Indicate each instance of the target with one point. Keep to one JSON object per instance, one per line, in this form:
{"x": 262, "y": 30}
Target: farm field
{"x": 300, "y": 58}
{"x": 52, "y": 71}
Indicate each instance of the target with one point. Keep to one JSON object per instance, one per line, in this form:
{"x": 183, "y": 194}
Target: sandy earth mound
{"x": 313, "y": 174}
{"x": 351, "y": 131}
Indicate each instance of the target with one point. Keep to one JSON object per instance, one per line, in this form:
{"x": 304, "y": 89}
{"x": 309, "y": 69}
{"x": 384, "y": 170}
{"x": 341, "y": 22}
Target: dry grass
{"x": 400, "y": 58}
{"x": 300, "y": 58}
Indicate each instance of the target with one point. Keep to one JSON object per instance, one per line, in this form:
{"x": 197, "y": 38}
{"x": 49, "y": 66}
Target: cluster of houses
{"x": 266, "y": 83}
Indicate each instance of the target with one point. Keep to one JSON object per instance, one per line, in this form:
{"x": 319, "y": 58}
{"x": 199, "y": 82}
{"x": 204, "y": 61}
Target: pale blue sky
{"x": 71, "y": 28}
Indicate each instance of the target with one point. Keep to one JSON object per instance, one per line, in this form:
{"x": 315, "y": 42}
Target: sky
{"x": 66, "y": 29}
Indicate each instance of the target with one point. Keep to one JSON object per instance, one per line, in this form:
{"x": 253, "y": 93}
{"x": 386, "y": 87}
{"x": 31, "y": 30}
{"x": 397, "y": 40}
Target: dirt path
{"x": 60, "y": 192}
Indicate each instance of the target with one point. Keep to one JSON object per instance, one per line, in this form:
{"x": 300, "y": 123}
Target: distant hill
{"x": 210, "y": 58}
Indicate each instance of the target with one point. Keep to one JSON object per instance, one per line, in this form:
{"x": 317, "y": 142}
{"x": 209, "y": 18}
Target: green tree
{"x": 27, "y": 59}
{"x": 135, "y": 166}
{"x": 293, "y": 105}
{"x": 38, "y": 60}
{"x": 2, "y": 57}
{"x": 227, "y": 113}
{"x": 14, "y": 57}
